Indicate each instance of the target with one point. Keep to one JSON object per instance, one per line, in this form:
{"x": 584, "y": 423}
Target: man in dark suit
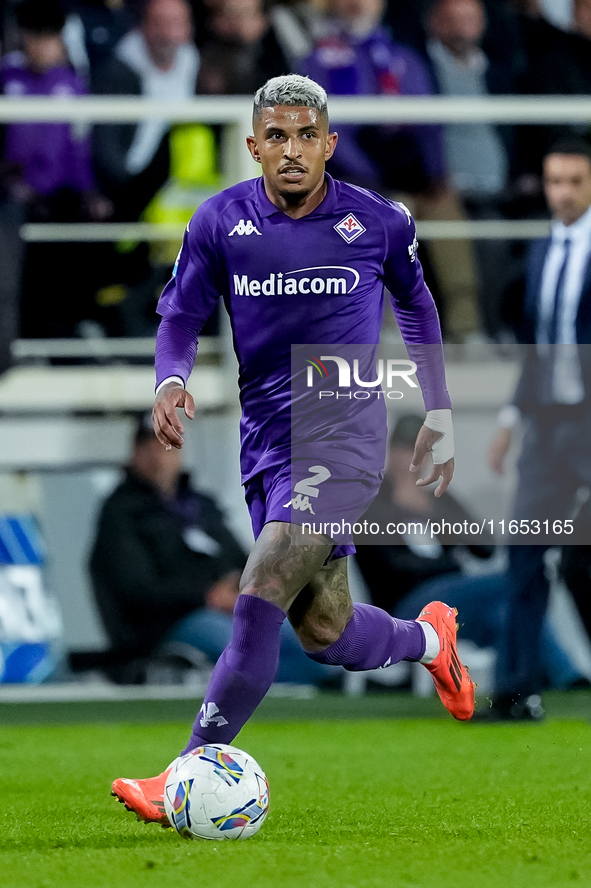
{"x": 553, "y": 399}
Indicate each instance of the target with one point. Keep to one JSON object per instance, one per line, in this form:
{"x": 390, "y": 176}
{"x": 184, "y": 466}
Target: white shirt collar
{"x": 579, "y": 230}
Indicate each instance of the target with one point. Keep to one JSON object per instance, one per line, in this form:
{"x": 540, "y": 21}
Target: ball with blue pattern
{"x": 216, "y": 792}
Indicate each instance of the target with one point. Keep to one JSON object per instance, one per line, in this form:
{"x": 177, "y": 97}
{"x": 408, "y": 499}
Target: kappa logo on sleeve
{"x": 349, "y": 228}
{"x": 243, "y": 227}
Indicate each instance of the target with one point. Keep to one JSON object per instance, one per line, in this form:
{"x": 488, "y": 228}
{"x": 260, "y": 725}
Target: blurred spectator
{"x": 133, "y": 161}
{"x": 504, "y": 43}
{"x": 157, "y": 61}
{"x": 162, "y": 552}
{"x": 293, "y": 22}
{"x": 477, "y": 158}
{"x": 501, "y": 40}
{"x": 414, "y": 569}
{"x": 355, "y": 56}
{"x": 537, "y": 37}
{"x": 47, "y": 169}
{"x": 241, "y": 52}
{"x": 558, "y": 63}
{"x": 563, "y": 66}
{"x": 93, "y": 29}
{"x": 51, "y": 161}
{"x": 165, "y": 567}
{"x": 296, "y": 23}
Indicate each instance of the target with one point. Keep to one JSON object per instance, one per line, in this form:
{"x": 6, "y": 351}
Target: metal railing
{"x": 49, "y": 232}
{"x": 235, "y": 113}
{"x": 100, "y": 348}
{"x": 343, "y": 109}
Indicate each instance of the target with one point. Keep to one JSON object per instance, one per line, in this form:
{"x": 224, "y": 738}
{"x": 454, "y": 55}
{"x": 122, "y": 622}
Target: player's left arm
{"x": 440, "y": 444}
{"x": 418, "y": 320}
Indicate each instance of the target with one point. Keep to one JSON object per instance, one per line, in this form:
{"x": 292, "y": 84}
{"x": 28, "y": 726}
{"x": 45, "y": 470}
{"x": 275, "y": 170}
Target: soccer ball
{"x": 216, "y": 792}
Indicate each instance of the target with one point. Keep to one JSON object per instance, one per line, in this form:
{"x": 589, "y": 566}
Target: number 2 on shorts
{"x": 308, "y": 486}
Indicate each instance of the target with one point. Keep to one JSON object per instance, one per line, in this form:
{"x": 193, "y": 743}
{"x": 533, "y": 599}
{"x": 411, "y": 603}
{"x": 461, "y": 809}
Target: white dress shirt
{"x": 567, "y": 381}
{"x": 173, "y": 85}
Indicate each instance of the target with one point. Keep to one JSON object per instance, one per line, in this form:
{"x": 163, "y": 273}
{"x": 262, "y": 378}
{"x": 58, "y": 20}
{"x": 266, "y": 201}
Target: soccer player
{"x": 301, "y": 258}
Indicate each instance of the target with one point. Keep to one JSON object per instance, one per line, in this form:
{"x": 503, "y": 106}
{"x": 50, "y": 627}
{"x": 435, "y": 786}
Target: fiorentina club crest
{"x": 349, "y": 228}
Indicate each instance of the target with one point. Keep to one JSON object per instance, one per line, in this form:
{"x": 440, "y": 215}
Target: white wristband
{"x": 441, "y": 421}
{"x": 170, "y": 379}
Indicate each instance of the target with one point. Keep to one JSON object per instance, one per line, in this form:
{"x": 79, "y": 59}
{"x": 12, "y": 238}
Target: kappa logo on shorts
{"x": 300, "y": 503}
{"x": 349, "y": 228}
{"x": 243, "y": 227}
{"x": 307, "y": 488}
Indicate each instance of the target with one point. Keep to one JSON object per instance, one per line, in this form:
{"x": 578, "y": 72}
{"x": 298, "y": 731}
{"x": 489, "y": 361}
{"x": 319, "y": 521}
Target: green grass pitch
{"x": 355, "y": 803}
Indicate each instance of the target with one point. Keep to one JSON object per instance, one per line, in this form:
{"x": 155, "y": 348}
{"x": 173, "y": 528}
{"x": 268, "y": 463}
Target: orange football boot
{"x": 452, "y": 682}
{"x": 144, "y": 797}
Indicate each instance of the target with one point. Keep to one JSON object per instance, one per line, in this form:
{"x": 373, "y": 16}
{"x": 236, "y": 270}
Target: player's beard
{"x": 295, "y": 198}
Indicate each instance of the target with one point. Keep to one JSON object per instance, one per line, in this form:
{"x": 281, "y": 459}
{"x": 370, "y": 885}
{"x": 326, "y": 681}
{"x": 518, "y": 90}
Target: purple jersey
{"x": 317, "y": 279}
{"x": 50, "y": 154}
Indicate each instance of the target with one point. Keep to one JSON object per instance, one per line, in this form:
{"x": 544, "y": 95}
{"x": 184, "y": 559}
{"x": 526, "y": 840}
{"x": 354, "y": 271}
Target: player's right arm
{"x": 167, "y": 426}
{"x": 185, "y": 304}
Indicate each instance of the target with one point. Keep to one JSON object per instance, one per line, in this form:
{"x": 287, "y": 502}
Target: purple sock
{"x": 372, "y": 638}
{"x": 242, "y": 675}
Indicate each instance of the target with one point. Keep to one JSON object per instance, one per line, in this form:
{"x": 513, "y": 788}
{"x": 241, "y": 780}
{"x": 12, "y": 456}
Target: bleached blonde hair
{"x": 292, "y": 90}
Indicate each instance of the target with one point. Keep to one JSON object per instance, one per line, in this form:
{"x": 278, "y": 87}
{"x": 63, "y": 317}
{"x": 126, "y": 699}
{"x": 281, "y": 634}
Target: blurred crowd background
{"x": 155, "y": 171}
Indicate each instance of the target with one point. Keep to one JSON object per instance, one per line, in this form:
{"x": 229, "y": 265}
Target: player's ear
{"x": 252, "y": 147}
{"x": 331, "y": 144}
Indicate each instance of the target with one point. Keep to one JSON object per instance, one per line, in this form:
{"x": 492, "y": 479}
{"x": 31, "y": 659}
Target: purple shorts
{"x": 322, "y": 496}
